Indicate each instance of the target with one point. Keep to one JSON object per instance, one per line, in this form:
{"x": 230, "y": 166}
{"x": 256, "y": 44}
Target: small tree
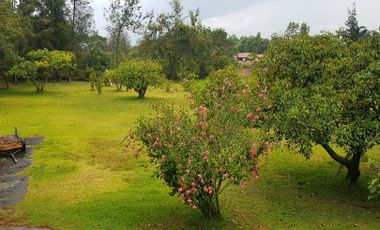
{"x": 97, "y": 81}
{"x": 40, "y": 65}
{"x": 199, "y": 155}
{"x": 139, "y": 74}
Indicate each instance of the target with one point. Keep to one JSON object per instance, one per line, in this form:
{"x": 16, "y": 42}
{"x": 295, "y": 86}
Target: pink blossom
{"x": 249, "y": 115}
{"x": 253, "y": 152}
{"x": 193, "y": 184}
{"x": 205, "y": 153}
{"x": 202, "y": 110}
{"x": 255, "y": 174}
{"x": 187, "y": 171}
{"x": 258, "y": 109}
{"x": 189, "y": 201}
{"x": 194, "y": 206}
{"x": 201, "y": 124}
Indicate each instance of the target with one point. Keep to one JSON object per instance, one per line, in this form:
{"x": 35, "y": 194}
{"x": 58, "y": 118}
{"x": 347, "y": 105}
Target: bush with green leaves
{"x": 139, "y": 75}
{"x": 40, "y": 65}
{"x": 374, "y": 184}
{"x": 97, "y": 81}
{"x": 188, "y": 80}
{"x": 217, "y": 143}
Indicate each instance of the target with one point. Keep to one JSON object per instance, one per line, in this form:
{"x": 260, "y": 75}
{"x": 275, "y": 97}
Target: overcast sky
{"x": 247, "y": 17}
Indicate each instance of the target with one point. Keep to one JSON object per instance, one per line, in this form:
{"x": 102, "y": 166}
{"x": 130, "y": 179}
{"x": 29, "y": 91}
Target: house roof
{"x": 244, "y": 55}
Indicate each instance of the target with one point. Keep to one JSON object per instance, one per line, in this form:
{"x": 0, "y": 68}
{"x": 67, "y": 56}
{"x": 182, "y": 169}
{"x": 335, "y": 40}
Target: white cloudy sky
{"x": 246, "y": 17}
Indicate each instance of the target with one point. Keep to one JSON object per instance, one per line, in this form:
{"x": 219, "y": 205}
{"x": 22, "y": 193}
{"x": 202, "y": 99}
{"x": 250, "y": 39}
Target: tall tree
{"x": 304, "y": 29}
{"x": 123, "y": 16}
{"x": 353, "y": 31}
{"x": 50, "y": 26}
{"x": 183, "y": 45}
{"x": 82, "y": 21}
{"x": 11, "y": 30}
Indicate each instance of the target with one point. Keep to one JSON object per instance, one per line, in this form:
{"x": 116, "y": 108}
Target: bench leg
{"x": 14, "y": 158}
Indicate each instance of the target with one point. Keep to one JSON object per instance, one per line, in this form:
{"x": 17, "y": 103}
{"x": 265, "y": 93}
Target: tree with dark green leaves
{"x": 326, "y": 92}
{"x": 254, "y": 44}
{"x": 353, "y": 31}
{"x": 183, "y": 45}
{"x": 11, "y": 31}
{"x": 82, "y": 21}
{"x": 295, "y": 29}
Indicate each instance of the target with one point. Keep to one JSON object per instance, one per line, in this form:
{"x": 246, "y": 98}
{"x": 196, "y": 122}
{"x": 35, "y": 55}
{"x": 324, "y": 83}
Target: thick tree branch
{"x": 334, "y": 155}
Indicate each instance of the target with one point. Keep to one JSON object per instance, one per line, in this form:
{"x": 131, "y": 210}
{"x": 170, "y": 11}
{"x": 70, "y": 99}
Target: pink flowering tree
{"x": 219, "y": 143}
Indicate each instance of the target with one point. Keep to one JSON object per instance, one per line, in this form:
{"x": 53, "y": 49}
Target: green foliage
{"x": 295, "y": 29}
{"x": 185, "y": 47}
{"x": 374, "y": 184}
{"x": 200, "y": 154}
{"x": 11, "y": 31}
{"x": 138, "y": 75}
{"x": 96, "y": 80}
{"x": 325, "y": 91}
{"x": 122, "y": 16}
{"x": 188, "y": 80}
{"x": 95, "y": 58}
{"x": 353, "y": 31}
{"x": 41, "y": 65}
{"x": 254, "y": 44}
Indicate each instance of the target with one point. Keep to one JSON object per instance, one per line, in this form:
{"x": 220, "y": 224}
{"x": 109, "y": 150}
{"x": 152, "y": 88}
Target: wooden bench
{"x": 12, "y": 144}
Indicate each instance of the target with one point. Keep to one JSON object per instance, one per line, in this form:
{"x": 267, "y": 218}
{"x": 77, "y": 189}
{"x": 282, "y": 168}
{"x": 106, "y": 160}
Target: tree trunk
{"x": 353, "y": 169}
{"x": 142, "y": 92}
{"x": 6, "y": 82}
{"x": 352, "y": 164}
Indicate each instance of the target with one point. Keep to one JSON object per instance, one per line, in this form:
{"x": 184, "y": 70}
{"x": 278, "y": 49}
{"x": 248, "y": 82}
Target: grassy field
{"x": 82, "y": 177}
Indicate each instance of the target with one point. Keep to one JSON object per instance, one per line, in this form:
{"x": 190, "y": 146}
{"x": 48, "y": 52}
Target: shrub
{"x": 374, "y": 184}
{"x": 199, "y": 154}
{"x": 138, "y": 75}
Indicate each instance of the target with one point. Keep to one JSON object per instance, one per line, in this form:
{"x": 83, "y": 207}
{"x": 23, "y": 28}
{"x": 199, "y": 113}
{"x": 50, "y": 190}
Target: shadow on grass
{"x": 136, "y": 209}
{"x": 135, "y": 99}
{"x": 30, "y": 92}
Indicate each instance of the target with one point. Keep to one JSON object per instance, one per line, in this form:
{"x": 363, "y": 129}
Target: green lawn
{"x": 82, "y": 177}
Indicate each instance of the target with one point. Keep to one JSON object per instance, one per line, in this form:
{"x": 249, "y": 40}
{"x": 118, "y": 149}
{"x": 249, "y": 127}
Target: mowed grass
{"x": 83, "y": 178}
